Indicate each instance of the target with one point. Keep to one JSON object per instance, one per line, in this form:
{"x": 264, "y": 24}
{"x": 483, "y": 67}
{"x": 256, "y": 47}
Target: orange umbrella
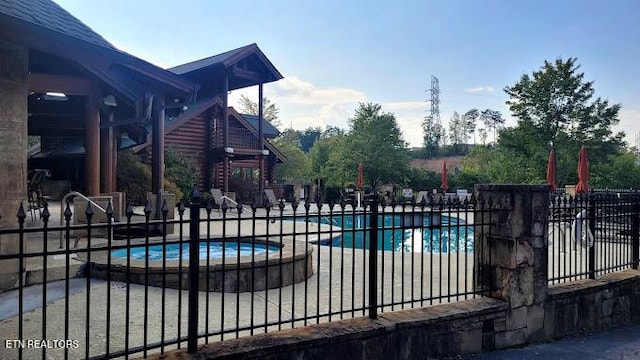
{"x": 551, "y": 171}
{"x": 583, "y": 171}
{"x": 445, "y": 182}
{"x": 360, "y": 182}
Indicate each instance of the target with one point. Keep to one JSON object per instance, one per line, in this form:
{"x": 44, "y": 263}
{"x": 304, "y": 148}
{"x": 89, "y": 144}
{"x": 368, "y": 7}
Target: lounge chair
{"x": 271, "y": 197}
{"x": 422, "y": 195}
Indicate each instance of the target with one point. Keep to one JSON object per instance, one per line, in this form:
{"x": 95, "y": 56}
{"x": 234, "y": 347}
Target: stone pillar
{"x": 511, "y": 257}
{"x": 13, "y": 147}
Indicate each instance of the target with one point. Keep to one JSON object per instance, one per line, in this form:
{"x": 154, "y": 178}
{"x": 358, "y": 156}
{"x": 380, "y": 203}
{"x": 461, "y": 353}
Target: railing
{"x": 65, "y": 201}
{"x": 133, "y": 299}
{"x": 593, "y": 234}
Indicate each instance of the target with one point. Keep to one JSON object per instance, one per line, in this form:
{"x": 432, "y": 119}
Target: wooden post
{"x": 157, "y": 161}
{"x": 92, "y": 144}
{"x": 107, "y": 158}
{"x": 261, "y": 142}
{"x": 225, "y": 132}
{"x": 208, "y": 176}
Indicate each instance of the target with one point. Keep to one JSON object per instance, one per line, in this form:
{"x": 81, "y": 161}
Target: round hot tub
{"x": 234, "y": 265}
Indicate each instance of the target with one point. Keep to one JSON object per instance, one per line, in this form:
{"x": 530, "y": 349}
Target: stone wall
{"x": 13, "y": 147}
{"x": 448, "y": 330}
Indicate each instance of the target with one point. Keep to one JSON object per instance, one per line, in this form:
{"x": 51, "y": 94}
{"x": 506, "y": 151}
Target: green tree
{"x": 324, "y": 164}
{"x": 557, "y": 102}
{"x": 492, "y": 119}
{"x": 374, "y": 140}
{"x": 433, "y": 135}
{"x": 555, "y": 108}
{"x": 297, "y": 168}
{"x": 471, "y": 121}
{"x": 269, "y": 109}
{"x": 457, "y": 131}
{"x": 308, "y": 137}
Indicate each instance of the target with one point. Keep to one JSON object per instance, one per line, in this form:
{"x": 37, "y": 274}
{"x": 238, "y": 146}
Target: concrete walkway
{"x": 616, "y": 344}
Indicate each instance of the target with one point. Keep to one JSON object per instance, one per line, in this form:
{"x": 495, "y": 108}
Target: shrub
{"x": 182, "y": 171}
{"x": 134, "y": 178}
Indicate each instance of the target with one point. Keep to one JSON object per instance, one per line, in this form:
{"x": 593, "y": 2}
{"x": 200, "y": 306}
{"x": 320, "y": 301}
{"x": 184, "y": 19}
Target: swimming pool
{"x": 430, "y": 233}
{"x": 214, "y": 248}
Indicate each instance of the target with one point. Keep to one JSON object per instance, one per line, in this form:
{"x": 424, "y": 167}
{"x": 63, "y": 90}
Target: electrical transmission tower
{"x": 435, "y": 101}
{"x": 432, "y": 127}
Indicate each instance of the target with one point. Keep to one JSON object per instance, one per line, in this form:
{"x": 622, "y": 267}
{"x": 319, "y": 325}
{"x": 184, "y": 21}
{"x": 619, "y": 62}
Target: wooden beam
{"x": 246, "y": 74}
{"x": 68, "y": 85}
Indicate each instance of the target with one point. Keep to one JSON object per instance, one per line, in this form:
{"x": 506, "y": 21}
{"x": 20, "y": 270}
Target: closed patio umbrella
{"x": 551, "y": 170}
{"x": 583, "y": 171}
{"x": 445, "y": 183}
{"x": 360, "y": 181}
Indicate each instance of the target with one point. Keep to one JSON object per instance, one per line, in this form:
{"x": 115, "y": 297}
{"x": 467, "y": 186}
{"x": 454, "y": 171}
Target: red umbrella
{"x": 583, "y": 171}
{"x": 360, "y": 182}
{"x": 551, "y": 171}
{"x": 445, "y": 182}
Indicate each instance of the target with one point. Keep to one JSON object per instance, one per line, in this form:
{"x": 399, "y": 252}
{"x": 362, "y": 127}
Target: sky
{"x": 334, "y": 54}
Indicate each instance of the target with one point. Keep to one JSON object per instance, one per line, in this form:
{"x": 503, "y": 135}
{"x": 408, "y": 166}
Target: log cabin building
{"x": 86, "y": 100}
{"x": 223, "y": 142}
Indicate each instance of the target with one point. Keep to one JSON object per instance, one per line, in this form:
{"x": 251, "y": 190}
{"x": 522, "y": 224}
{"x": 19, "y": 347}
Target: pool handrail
{"x": 62, "y": 205}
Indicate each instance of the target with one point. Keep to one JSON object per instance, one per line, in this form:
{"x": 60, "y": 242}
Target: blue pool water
{"x": 215, "y": 249}
{"x": 421, "y": 234}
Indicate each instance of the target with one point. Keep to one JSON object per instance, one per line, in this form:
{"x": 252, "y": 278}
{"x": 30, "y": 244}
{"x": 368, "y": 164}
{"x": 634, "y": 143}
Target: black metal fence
{"x": 144, "y": 285}
{"x": 593, "y": 234}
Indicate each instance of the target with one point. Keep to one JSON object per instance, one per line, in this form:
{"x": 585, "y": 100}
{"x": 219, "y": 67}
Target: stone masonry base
{"x": 447, "y": 330}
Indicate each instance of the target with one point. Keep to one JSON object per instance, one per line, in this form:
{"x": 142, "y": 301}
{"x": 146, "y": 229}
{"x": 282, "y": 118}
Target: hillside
{"x": 435, "y": 164}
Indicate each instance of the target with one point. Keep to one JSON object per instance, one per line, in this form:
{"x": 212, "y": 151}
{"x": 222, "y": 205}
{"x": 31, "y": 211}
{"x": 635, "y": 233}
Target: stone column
{"x": 13, "y": 147}
{"x": 511, "y": 257}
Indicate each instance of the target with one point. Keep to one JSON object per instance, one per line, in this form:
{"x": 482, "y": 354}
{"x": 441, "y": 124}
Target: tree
{"x": 321, "y": 155}
{"x": 297, "y": 168}
{"x": 308, "y": 137}
{"x": 482, "y": 132}
{"x": 375, "y": 141}
{"x": 269, "y": 109}
{"x": 470, "y": 119}
{"x": 433, "y": 135}
{"x": 457, "y": 131}
{"x": 557, "y": 101}
{"x": 554, "y": 107}
{"x": 492, "y": 119}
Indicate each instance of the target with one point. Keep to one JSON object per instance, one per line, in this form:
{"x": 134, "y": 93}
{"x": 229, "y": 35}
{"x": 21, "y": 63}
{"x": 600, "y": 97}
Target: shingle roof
{"x": 269, "y": 130}
{"x": 212, "y": 60}
{"x": 50, "y": 15}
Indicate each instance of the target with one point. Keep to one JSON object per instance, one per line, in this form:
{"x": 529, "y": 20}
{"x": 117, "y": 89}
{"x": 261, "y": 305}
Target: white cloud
{"x": 303, "y": 105}
{"x": 296, "y": 91}
{"x": 480, "y": 89}
{"x": 630, "y": 124}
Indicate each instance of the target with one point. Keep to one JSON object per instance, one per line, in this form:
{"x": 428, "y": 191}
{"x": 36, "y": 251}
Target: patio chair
{"x": 271, "y": 197}
{"x": 422, "y": 195}
{"x": 217, "y": 198}
{"x": 34, "y": 191}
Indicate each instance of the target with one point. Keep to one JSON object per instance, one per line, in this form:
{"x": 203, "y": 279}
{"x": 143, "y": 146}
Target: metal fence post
{"x": 591, "y": 223}
{"x": 194, "y": 271}
{"x": 373, "y": 258}
{"x": 635, "y": 232}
